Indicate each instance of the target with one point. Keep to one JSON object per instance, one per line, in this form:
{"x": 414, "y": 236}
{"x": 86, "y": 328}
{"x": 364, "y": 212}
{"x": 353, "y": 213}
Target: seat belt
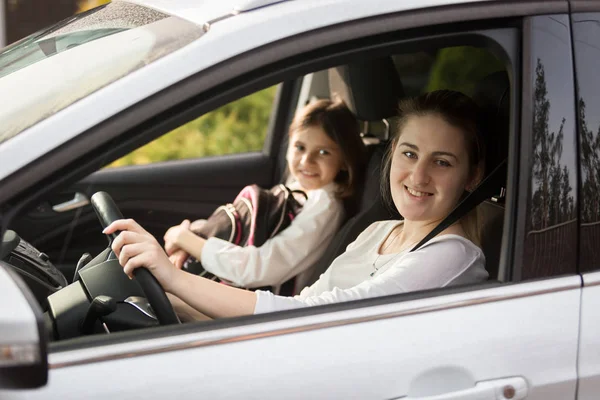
{"x": 485, "y": 190}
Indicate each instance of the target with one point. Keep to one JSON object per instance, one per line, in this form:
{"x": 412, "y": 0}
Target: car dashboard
{"x": 101, "y": 298}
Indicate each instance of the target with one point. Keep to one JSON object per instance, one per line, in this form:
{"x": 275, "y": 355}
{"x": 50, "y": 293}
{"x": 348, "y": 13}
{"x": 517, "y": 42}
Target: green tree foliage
{"x": 237, "y": 127}
{"x": 460, "y": 68}
{"x": 84, "y": 5}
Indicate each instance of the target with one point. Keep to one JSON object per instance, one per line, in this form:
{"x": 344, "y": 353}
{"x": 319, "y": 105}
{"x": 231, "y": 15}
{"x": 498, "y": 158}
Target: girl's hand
{"x": 137, "y": 248}
{"x": 178, "y": 258}
{"x": 173, "y": 237}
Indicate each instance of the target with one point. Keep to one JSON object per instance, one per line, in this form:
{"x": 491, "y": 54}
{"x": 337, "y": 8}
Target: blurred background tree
{"x": 460, "y": 68}
{"x": 237, "y": 127}
{"x": 84, "y": 5}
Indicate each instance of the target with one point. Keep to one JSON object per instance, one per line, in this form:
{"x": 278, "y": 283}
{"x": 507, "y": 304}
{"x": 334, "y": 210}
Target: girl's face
{"x": 314, "y": 159}
{"x": 430, "y": 169}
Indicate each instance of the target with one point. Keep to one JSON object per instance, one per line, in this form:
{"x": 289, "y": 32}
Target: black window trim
{"x": 526, "y": 146}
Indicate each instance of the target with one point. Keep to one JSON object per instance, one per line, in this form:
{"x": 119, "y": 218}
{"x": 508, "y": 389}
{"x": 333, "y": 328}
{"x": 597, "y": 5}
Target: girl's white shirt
{"x": 293, "y": 252}
{"x": 444, "y": 260}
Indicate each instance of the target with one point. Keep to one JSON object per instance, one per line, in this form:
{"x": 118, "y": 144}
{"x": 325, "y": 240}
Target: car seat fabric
{"x": 371, "y": 89}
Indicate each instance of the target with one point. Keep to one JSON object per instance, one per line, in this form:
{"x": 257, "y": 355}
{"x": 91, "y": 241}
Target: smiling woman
{"x": 437, "y": 157}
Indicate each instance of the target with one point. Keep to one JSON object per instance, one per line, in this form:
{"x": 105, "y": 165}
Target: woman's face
{"x": 430, "y": 169}
{"x": 314, "y": 159}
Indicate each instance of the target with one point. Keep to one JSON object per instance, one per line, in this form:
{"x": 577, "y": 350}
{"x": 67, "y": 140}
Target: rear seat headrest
{"x": 371, "y": 88}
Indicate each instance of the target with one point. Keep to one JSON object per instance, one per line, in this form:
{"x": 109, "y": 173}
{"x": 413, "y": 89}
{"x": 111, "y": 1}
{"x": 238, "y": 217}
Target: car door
{"x": 586, "y": 38}
{"x": 512, "y": 339}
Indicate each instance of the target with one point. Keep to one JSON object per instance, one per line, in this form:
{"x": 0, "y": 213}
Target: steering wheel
{"x": 107, "y": 212}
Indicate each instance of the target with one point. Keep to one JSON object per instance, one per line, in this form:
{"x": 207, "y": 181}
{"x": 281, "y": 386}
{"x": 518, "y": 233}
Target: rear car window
{"x": 52, "y": 69}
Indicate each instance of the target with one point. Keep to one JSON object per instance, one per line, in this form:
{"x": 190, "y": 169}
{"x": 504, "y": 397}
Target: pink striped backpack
{"x": 255, "y": 216}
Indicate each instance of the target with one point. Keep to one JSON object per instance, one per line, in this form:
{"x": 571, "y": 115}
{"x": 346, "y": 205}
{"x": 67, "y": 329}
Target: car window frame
{"x": 526, "y": 150}
{"x": 579, "y": 7}
{"x": 359, "y": 304}
{"x": 246, "y": 83}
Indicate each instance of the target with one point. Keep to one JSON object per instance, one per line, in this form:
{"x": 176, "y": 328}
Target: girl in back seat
{"x": 435, "y": 156}
{"x": 325, "y": 156}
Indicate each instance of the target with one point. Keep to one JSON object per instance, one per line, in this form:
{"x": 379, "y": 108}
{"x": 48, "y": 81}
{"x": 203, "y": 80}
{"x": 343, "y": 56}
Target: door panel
{"x": 586, "y": 39}
{"x": 589, "y": 356}
{"x": 157, "y": 196}
{"x": 526, "y": 332}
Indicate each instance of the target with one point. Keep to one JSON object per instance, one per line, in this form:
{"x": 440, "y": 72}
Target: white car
{"x": 92, "y": 89}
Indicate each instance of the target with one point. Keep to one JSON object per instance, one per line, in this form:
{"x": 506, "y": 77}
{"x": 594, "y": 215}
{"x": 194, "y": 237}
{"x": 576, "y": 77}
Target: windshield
{"x": 53, "y": 68}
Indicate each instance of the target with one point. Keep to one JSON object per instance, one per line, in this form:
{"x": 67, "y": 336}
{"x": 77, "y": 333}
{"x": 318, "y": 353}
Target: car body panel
{"x": 204, "y": 11}
{"x": 589, "y": 357}
{"x": 585, "y": 22}
{"x": 16, "y": 309}
{"x": 440, "y": 344}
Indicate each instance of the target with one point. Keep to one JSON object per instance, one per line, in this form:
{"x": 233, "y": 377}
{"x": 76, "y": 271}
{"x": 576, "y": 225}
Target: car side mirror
{"x": 23, "y": 339}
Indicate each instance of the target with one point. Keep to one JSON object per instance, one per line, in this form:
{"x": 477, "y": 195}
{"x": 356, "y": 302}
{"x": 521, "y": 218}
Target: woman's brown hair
{"x": 458, "y": 110}
{"x": 342, "y": 127}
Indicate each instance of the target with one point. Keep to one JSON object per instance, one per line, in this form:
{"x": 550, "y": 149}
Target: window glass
{"x": 455, "y": 68}
{"x": 237, "y": 127}
{"x": 54, "y": 68}
{"x": 551, "y": 232}
{"x": 586, "y": 35}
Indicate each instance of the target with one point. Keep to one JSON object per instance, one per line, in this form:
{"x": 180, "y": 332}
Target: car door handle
{"x": 500, "y": 389}
{"x": 79, "y": 200}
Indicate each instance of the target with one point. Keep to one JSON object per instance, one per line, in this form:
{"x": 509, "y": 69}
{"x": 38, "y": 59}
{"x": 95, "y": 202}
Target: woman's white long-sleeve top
{"x": 290, "y": 253}
{"x": 361, "y": 272}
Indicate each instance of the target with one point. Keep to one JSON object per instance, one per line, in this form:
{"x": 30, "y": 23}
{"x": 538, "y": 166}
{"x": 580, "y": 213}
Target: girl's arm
{"x": 180, "y": 237}
{"x": 137, "y": 248}
{"x": 282, "y": 257}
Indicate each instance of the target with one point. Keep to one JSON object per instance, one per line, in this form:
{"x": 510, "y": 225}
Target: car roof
{"x": 203, "y": 11}
{"x": 265, "y": 21}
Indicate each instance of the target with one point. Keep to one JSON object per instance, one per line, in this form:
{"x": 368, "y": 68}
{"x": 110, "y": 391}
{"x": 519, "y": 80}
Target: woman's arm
{"x": 282, "y": 257}
{"x": 137, "y": 248}
{"x": 184, "y": 311}
{"x": 437, "y": 264}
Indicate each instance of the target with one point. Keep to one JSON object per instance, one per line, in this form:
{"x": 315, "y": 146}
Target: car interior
{"x": 371, "y": 87}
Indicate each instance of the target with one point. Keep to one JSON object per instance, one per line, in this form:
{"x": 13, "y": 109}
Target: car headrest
{"x": 371, "y": 88}
{"x": 492, "y": 94}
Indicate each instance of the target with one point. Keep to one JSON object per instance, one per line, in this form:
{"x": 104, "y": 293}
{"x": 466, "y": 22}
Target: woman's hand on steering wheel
{"x": 136, "y": 248}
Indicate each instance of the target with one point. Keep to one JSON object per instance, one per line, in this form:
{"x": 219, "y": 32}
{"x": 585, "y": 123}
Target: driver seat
{"x": 371, "y": 89}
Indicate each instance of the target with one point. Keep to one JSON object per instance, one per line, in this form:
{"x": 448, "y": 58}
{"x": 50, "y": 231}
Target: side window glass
{"x": 586, "y": 35}
{"x": 237, "y": 127}
{"x": 455, "y": 68}
{"x": 551, "y": 233}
